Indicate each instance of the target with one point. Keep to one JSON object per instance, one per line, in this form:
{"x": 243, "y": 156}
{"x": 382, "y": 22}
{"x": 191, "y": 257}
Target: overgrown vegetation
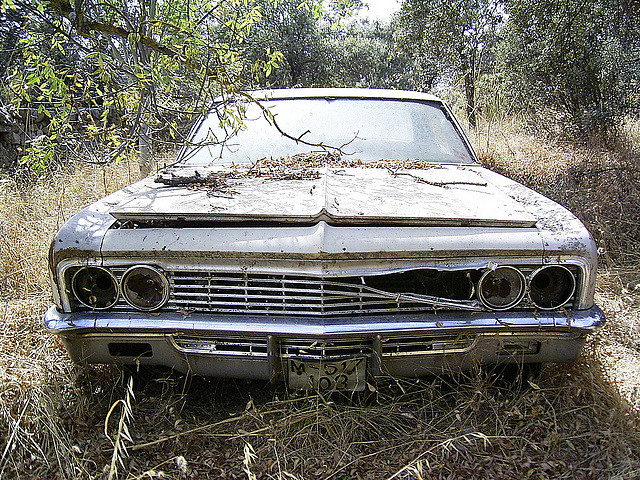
{"x": 599, "y": 181}
{"x": 575, "y": 421}
{"x": 124, "y": 75}
{"x": 577, "y": 58}
{"x": 553, "y": 89}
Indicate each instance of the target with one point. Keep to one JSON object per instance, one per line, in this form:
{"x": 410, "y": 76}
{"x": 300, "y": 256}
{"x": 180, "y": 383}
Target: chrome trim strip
{"x": 583, "y": 321}
{"x": 586, "y": 277}
{"x": 325, "y": 349}
{"x": 428, "y": 345}
{"x": 220, "y": 346}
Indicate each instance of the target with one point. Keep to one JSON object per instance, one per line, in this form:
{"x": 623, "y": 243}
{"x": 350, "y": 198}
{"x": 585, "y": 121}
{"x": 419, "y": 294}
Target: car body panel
{"x": 436, "y": 195}
{"x": 339, "y": 228}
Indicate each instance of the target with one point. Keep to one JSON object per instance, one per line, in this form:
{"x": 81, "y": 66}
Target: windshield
{"x": 362, "y": 129}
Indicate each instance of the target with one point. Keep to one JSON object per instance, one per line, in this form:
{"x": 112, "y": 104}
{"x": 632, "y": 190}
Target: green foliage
{"x": 577, "y": 57}
{"x": 107, "y": 74}
{"x": 11, "y": 24}
{"x": 454, "y": 38}
{"x": 112, "y": 71}
{"x": 326, "y": 50}
{"x": 294, "y": 31}
{"x": 366, "y": 55}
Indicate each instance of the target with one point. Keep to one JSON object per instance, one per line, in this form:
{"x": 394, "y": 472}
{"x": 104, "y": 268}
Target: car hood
{"x": 438, "y": 195}
{"x": 485, "y": 198}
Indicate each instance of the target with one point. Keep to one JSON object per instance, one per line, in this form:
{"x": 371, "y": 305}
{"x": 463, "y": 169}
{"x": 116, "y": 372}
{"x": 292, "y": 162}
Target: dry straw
{"x": 573, "y": 422}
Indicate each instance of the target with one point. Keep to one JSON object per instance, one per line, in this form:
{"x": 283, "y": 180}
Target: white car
{"x": 338, "y": 235}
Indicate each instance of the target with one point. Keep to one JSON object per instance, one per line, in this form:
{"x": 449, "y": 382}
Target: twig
{"x": 204, "y": 427}
{"x": 395, "y": 173}
{"x": 212, "y": 180}
{"x": 14, "y": 432}
{"x": 270, "y": 117}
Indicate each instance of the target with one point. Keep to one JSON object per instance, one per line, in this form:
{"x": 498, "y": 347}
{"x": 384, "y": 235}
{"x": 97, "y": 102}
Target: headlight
{"x": 145, "y": 288}
{"x": 551, "y": 287}
{"x": 95, "y": 287}
{"x": 501, "y": 288}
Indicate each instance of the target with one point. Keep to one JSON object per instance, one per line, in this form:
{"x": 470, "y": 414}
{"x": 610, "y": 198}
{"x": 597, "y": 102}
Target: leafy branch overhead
{"x": 130, "y": 70}
{"x": 95, "y": 81}
{"x": 143, "y": 33}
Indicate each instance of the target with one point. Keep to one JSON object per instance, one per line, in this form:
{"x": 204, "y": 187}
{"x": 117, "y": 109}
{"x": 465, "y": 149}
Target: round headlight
{"x": 145, "y": 288}
{"x": 551, "y": 287}
{"x": 95, "y": 287}
{"x": 501, "y": 288}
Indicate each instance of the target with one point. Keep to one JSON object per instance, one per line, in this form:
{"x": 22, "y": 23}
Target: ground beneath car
{"x": 573, "y": 421}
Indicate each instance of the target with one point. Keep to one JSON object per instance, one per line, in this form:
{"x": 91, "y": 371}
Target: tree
{"x": 329, "y": 51}
{"x": 452, "y": 36}
{"x": 366, "y": 55}
{"x": 129, "y": 68}
{"x": 11, "y": 23}
{"x": 299, "y": 34}
{"x": 132, "y": 70}
{"x": 577, "y": 57}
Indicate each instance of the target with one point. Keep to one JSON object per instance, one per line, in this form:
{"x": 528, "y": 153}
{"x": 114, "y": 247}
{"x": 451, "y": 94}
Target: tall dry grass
{"x": 575, "y": 422}
{"x": 599, "y": 181}
{"x": 37, "y": 396}
{"x": 33, "y": 208}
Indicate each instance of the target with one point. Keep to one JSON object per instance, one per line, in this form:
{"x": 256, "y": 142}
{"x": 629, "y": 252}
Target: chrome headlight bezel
{"x": 80, "y": 297}
{"x": 522, "y": 288}
{"x": 568, "y": 294}
{"x": 162, "y": 287}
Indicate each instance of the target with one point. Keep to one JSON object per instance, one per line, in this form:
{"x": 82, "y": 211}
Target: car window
{"x": 364, "y": 129}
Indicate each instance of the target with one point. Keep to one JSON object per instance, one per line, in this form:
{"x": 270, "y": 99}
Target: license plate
{"x": 348, "y": 374}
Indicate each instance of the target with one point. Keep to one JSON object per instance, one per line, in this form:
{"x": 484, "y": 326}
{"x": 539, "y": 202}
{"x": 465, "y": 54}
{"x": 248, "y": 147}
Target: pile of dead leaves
{"x": 303, "y": 166}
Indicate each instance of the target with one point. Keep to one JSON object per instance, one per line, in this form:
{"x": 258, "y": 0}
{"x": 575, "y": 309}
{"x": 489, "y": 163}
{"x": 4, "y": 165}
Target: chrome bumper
{"x": 258, "y": 346}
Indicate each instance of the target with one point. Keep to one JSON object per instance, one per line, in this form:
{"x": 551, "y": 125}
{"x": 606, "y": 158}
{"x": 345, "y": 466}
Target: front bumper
{"x": 258, "y": 346}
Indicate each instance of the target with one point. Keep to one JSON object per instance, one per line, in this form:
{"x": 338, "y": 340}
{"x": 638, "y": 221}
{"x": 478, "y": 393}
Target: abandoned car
{"x": 330, "y": 237}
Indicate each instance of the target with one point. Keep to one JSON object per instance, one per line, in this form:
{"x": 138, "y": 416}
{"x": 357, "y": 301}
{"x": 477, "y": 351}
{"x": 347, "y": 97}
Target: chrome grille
{"x": 298, "y": 295}
{"x": 401, "y": 346}
{"x": 322, "y": 349}
{"x": 280, "y": 295}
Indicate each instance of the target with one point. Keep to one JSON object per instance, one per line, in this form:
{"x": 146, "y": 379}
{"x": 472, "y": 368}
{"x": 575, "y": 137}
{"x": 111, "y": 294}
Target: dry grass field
{"x": 61, "y": 421}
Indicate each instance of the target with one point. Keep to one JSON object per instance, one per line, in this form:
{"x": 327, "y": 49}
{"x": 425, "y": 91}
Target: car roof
{"x": 343, "y": 93}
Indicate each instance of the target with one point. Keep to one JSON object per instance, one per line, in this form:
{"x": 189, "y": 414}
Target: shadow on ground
{"x": 565, "y": 423}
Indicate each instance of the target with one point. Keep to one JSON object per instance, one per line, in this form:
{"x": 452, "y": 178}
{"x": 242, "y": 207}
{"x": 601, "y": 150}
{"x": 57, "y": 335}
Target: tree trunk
{"x": 144, "y": 141}
{"x": 144, "y": 150}
{"x": 470, "y": 91}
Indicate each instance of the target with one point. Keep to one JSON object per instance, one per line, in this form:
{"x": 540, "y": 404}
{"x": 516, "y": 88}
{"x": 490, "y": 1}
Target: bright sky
{"x": 380, "y": 10}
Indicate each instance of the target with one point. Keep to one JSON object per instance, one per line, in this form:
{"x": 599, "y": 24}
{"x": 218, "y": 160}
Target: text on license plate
{"x": 347, "y": 374}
